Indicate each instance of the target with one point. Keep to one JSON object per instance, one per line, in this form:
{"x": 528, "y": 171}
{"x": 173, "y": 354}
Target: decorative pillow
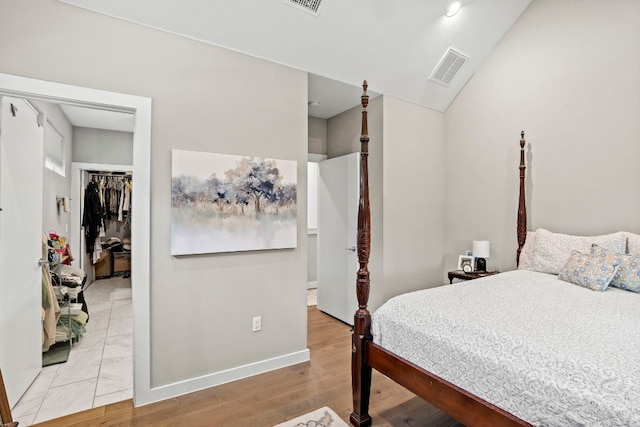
{"x": 526, "y": 254}
{"x": 633, "y": 244}
{"x": 628, "y": 274}
{"x": 551, "y": 250}
{"x": 587, "y": 271}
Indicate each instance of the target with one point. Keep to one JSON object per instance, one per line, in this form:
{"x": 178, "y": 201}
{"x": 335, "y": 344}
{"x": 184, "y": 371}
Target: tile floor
{"x": 100, "y": 366}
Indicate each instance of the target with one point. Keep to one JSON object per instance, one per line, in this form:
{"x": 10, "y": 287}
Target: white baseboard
{"x": 206, "y": 381}
{"x": 312, "y": 285}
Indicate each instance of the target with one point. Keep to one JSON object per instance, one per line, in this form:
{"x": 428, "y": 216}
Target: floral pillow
{"x": 628, "y": 274}
{"x": 551, "y": 250}
{"x": 588, "y": 271}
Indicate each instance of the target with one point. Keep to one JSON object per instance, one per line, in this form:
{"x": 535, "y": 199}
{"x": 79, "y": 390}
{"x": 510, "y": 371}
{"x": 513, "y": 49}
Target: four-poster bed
{"x": 393, "y": 341}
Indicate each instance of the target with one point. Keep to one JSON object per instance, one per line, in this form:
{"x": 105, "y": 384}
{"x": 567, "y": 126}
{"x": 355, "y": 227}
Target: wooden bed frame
{"x": 458, "y": 403}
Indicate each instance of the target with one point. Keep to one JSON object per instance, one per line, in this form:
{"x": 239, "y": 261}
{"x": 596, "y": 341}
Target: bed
{"x": 517, "y": 348}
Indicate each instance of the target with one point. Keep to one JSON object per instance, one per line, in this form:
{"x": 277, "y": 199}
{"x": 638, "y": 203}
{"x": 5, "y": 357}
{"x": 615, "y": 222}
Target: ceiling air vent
{"x": 448, "y": 67}
{"x": 312, "y": 7}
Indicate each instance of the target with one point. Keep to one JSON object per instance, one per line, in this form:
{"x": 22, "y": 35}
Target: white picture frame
{"x": 464, "y": 259}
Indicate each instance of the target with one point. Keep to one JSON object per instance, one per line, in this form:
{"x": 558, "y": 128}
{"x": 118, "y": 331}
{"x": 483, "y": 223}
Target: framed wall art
{"x": 229, "y": 203}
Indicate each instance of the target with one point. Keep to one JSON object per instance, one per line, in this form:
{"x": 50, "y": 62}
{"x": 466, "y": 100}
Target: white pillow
{"x": 526, "y": 254}
{"x": 552, "y": 250}
{"x": 633, "y": 244}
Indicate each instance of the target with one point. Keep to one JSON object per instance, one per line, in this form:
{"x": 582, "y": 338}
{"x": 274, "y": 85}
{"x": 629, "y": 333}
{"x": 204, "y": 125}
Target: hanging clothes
{"x": 114, "y": 193}
{"x": 107, "y": 199}
{"x": 91, "y": 217}
{"x": 126, "y": 208}
{"x": 121, "y": 202}
{"x": 125, "y": 196}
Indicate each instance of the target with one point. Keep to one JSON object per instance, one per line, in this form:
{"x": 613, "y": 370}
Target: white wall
{"x": 317, "y": 135}
{"x": 567, "y": 74}
{"x": 406, "y": 173}
{"x": 102, "y": 146}
{"x": 54, "y": 185}
{"x": 414, "y": 195}
{"x": 201, "y": 306}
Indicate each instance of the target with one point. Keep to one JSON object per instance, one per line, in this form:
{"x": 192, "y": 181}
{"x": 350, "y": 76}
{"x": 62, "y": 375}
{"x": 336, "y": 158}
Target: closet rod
{"x": 112, "y": 174}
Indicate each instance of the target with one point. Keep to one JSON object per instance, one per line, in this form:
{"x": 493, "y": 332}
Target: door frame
{"x": 23, "y": 87}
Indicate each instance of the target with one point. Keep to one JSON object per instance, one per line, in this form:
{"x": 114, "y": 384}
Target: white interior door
{"x": 21, "y": 163}
{"x": 338, "y": 190}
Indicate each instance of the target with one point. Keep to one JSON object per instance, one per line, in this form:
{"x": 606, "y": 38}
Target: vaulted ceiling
{"x": 395, "y": 45}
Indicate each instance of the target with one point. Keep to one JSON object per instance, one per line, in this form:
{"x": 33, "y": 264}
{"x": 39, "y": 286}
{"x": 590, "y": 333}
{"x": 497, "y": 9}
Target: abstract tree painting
{"x": 228, "y": 203}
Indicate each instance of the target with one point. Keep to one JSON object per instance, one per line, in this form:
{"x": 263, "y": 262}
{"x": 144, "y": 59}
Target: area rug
{"x": 323, "y": 417}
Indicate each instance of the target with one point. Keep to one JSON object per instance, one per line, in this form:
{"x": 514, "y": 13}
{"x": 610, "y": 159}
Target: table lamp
{"x": 481, "y": 250}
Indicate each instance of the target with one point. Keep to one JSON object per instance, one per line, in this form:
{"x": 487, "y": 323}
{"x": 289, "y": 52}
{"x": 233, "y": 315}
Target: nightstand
{"x": 461, "y": 275}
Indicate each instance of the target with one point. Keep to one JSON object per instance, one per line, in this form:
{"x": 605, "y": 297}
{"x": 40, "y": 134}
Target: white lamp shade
{"x": 481, "y": 248}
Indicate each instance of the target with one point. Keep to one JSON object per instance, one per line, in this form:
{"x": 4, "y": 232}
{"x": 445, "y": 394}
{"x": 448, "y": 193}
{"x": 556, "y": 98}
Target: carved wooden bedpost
{"x": 360, "y": 370}
{"x": 522, "y": 205}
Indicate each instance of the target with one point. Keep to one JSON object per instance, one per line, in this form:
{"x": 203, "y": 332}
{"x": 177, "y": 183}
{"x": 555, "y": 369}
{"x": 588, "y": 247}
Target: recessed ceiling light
{"x": 314, "y": 104}
{"x": 452, "y": 8}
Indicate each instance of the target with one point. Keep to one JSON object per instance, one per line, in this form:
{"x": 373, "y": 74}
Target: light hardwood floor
{"x": 277, "y": 396}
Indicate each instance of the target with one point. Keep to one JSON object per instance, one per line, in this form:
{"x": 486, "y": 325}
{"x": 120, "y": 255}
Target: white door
{"x": 338, "y": 190}
{"x": 21, "y": 163}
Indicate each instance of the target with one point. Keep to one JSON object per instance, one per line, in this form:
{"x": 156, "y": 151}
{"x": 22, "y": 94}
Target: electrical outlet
{"x": 257, "y": 324}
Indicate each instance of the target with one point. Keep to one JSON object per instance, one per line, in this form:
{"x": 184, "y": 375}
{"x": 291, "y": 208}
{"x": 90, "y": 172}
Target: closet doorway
{"x": 91, "y": 364}
{"x": 52, "y": 92}
{"x": 80, "y": 174}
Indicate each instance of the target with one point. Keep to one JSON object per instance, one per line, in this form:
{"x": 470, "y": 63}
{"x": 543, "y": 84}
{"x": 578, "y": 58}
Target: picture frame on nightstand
{"x": 465, "y": 259}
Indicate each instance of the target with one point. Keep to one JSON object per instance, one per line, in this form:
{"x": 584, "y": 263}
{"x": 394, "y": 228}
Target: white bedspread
{"x": 547, "y": 351}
